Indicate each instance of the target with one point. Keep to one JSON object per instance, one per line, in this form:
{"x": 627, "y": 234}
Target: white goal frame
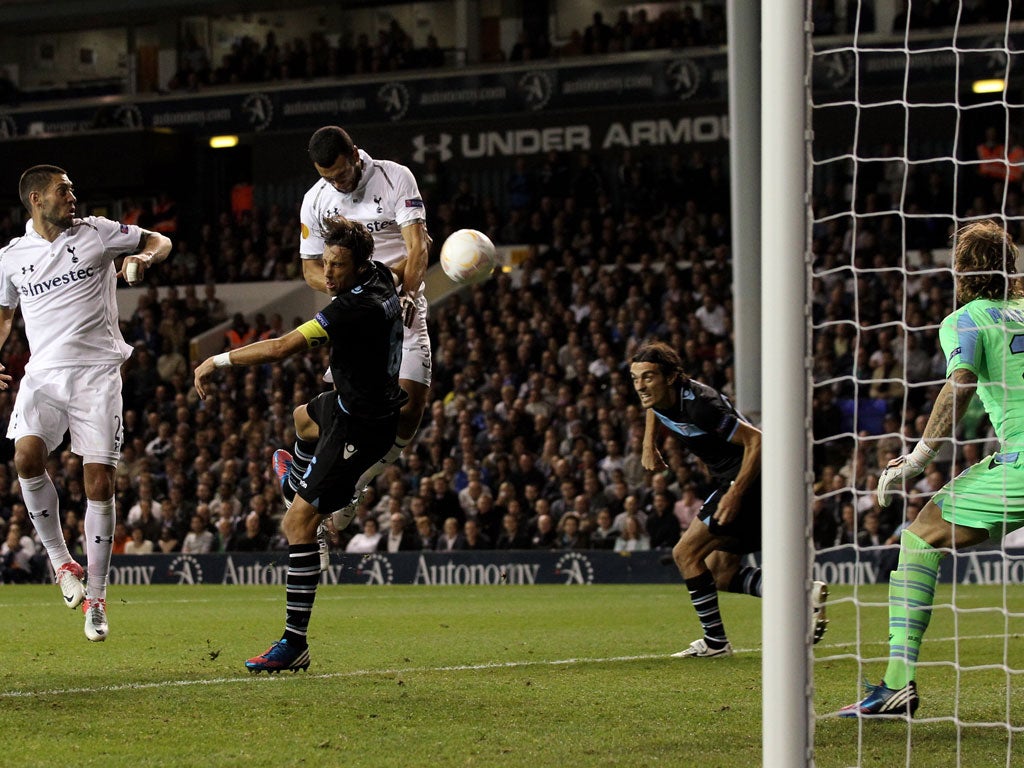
{"x": 787, "y": 548}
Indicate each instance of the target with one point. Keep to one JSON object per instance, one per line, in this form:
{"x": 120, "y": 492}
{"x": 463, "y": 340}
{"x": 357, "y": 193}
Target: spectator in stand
{"x": 212, "y": 306}
{"x": 604, "y": 534}
{"x": 870, "y": 534}
{"x": 138, "y": 544}
{"x": 469, "y": 497}
{"x": 488, "y": 518}
{"x": 475, "y": 539}
{"x": 848, "y": 530}
{"x": 426, "y": 531}
{"x": 663, "y": 527}
{"x": 367, "y": 540}
{"x": 169, "y": 540}
{"x": 569, "y": 534}
{"x": 513, "y": 535}
{"x": 630, "y": 509}
{"x": 544, "y": 535}
{"x": 597, "y": 36}
{"x": 712, "y": 315}
{"x": 451, "y": 537}
{"x": 251, "y": 539}
{"x": 199, "y": 540}
{"x": 688, "y": 506}
{"x": 398, "y": 537}
{"x": 239, "y": 334}
{"x": 16, "y": 555}
{"x": 632, "y": 538}
{"x": 171, "y": 363}
{"x": 443, "y": 502}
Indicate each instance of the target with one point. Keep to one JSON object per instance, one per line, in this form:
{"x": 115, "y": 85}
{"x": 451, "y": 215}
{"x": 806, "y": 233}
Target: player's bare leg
{"x": 411, "y": 415}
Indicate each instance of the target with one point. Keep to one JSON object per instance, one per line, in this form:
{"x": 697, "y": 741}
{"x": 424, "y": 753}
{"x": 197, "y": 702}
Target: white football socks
{"x": 99, "y": 543}
{"x": 40, "y": 497}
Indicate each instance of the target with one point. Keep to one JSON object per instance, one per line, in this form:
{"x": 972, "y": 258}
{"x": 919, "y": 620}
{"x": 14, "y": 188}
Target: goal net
{"x": 918, "y": 129}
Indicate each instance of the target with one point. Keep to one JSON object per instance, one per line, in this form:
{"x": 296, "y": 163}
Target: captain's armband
{"x": 316, "y": 335}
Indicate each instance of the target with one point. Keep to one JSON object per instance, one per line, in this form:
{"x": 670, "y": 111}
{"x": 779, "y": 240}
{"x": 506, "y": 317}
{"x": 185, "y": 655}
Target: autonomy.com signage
{"x": 841, "y": 566}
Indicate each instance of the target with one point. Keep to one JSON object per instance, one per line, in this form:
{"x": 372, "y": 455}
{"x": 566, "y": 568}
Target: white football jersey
{"x": 386, "y": 199}
{"x": 66, "y": 291}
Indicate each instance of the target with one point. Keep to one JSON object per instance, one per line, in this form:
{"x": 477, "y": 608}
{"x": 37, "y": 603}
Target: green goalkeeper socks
{"x": 911, "y": 594}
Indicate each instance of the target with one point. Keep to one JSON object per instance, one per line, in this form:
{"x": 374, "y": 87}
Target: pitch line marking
{"x": 394, "y": 671}
{"x": 325, "y": 676}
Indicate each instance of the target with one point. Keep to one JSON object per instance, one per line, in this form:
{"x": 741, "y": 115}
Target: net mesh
{"x": 915, "y": 133}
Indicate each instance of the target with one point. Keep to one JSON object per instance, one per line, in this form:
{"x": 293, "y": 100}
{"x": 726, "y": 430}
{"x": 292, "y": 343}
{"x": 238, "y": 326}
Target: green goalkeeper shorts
{"x": 988, "y": 495}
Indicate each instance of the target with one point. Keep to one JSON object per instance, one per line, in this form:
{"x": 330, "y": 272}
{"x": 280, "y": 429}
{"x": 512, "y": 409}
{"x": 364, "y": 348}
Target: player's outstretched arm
{"x": 950, "y": 406}
{"x": 257, "y": 353}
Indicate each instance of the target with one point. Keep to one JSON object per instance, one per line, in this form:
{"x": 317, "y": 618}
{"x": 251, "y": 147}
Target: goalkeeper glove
{"x": 903, "y": 468}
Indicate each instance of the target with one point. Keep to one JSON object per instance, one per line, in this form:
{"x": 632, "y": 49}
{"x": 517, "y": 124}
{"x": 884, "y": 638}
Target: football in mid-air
{"x": 468, "y": 256}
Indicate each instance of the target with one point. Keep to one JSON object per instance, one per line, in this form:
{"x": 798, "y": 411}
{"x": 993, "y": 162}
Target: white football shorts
{"x": 416, "y": 347}
{"x": 83, "y": 399}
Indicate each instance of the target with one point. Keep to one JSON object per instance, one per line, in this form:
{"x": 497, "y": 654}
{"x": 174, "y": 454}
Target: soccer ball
{"x": 467, "y": 256}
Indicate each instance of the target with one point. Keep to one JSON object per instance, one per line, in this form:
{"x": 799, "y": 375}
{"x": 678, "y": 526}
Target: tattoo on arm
{"x": 950, "y": 406}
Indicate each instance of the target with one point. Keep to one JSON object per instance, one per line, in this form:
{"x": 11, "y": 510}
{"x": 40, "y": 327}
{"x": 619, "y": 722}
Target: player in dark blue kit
{"x": 338, "y": 433}
{"x": 729, "y": 524}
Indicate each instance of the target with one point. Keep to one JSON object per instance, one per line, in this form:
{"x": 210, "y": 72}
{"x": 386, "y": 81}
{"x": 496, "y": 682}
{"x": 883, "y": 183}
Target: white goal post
{"x": 785, "y": 551}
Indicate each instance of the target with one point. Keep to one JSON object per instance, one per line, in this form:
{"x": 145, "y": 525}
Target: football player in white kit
{"x": 62, "y": 274}
{"x": 383, "y": 196}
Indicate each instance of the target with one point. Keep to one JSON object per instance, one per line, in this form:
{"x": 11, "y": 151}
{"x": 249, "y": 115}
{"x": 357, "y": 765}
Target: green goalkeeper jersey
{"x": 987, "y": 338}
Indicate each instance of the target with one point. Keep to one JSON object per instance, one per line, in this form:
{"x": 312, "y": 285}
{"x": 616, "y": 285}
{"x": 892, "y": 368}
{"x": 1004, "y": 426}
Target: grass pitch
{"x": 474, "y": 676}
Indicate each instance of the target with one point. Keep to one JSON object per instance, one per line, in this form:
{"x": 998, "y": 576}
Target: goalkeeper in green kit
{"x": 983, "y": 342}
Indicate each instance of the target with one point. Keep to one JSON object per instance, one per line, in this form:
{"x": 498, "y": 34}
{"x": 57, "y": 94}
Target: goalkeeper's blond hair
{"x": 985, "y": 263}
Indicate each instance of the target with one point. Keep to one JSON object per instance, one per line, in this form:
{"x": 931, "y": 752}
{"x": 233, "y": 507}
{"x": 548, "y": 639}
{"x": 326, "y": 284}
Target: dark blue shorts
{"x": 347, "y": 446}
{"x": 743, "y": 534}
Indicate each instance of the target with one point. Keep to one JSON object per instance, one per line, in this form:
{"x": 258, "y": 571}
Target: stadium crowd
{"x": 532, "y": 437}
{"x": 327, "y": 54}
{"x": 533, "y": 434}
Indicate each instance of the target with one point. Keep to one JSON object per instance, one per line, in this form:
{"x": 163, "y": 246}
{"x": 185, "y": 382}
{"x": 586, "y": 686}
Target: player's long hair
{"x": 328, "y": 144}
{"x": 985, "y": 263}
{"x": 36, "y": 179}
{"x": 342, "y": 232}
{"x": 663, "y": 356}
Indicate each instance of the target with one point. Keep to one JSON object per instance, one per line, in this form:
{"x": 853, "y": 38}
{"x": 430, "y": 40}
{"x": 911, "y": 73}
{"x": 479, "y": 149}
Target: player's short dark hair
{"x": 36, "y": 179}
{"x": 662, "y": 355}
{"x": 328, "y": 144}
{"x": 345, "y": 233}
{"x": 985, "y": 263}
